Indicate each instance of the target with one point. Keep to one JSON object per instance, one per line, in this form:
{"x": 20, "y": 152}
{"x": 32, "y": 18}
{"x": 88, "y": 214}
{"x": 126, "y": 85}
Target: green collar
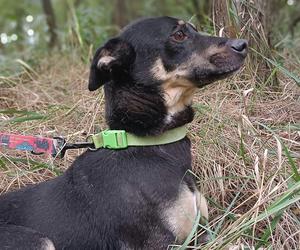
{"x": 117, "y": 139}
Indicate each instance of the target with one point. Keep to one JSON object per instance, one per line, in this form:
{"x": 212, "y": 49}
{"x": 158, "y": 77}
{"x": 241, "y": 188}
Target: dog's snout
{"x": 238, "y": 46}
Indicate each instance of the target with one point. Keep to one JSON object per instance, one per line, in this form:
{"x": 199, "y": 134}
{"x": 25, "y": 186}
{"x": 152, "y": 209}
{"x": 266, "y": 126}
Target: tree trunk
{"x": 266, "y": 17}
{"x": 50, "y": 18}
{"x": 221, "y": 19}
{"x": 220, "y": 16}
{"x": 120, "y": 13}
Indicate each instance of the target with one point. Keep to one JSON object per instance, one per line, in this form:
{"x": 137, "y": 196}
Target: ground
{"x": 245, "y": 135}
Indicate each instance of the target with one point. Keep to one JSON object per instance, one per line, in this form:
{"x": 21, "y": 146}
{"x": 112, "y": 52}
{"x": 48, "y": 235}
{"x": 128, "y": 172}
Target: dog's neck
{"x": 141, "y": 109}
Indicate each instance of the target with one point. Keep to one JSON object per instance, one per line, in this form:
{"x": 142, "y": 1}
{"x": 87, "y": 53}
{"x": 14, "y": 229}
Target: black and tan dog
{"x": 139, "y": 197}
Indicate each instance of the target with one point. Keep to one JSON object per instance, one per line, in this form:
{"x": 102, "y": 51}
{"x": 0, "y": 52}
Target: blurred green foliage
{"x": 25, "y": 32}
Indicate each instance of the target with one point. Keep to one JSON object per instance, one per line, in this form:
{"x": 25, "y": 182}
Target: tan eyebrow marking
{"x": 181, "y": 22}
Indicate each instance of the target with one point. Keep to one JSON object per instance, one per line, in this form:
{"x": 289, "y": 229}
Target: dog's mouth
{"x": 225, "y": 64}
{"x": 203, "y": 78}
{"x": 225, "y": 72}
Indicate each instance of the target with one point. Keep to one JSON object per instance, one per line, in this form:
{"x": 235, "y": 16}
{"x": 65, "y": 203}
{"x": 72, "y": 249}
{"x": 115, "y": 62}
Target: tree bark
{"x": 222, "y": 19}
{"x": 266, "y": 18}
{"x": 120, "y": 13}
{"x": 51, "y": 22}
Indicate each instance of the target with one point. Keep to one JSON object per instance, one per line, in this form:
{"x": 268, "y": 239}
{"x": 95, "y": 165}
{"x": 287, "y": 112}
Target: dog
{"x": 140, "y": 197}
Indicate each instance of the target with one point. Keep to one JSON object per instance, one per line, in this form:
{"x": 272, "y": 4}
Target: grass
{"x": 245, "y": 145}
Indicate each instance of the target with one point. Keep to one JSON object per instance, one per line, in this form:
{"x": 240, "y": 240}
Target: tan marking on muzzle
{"x": 214, "y": 49}
{"x": 181, "y": 214}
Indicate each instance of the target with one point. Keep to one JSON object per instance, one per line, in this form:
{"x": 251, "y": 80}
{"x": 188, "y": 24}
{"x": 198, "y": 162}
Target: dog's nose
{"x": 239, "y": 46}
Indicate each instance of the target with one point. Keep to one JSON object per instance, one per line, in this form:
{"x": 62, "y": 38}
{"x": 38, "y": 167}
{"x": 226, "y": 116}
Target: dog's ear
{"x": 114, "y": 58}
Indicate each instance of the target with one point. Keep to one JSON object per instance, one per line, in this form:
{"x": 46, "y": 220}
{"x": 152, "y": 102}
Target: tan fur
{"x": 213, "y": 49}
{"x": 178, "y": 92}
{"x": 181, "y": 22}
{"x": 202, "y": 204}
{"x": 105, "y": 60}
{"x": 180, "y": 215}
{"x": 47, "y": 244}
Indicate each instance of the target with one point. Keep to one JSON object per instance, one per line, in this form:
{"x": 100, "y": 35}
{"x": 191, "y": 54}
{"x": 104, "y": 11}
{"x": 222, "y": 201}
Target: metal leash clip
{"x": 61, "y": 146}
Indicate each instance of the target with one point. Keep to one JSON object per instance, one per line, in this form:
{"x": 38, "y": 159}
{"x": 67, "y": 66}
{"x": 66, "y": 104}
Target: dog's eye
{"x": 179, "y": 36}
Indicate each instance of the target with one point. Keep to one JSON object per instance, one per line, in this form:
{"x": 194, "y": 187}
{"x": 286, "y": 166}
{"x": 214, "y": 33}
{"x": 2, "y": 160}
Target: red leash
{"x": 35, "y": 144}
{"x": 40, "y": 145}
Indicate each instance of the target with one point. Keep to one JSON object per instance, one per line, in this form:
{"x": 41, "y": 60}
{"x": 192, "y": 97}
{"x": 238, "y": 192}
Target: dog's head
{"x": 169, "y": 54}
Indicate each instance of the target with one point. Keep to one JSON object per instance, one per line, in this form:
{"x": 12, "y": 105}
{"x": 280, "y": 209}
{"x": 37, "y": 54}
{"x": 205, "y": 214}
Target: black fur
{"x": 112, "y": 199}
{"x": 20, "y": 238}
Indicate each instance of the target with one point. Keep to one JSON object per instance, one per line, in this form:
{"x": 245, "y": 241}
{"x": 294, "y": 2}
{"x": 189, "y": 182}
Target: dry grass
{"x": 241, "y": 165}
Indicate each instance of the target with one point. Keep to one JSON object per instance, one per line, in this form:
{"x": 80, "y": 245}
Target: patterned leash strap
{"x": 34, "y": 144}
{"x": 40, "y": 145}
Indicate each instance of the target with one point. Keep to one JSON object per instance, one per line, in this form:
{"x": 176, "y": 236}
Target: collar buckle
{"x": 114, "y": 139}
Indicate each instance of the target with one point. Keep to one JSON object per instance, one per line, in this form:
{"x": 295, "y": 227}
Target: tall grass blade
{"x": 291, "y": 161}
{"x": 282, "y": 69}
{"x": 192, "y": 233}
{"x": 290, "y": 197}
{"x": 268, "y": 231}
{"x": 22, "y": 116}
{"x": 27, "y": 67}
{"x": 36, "y": 165}
{"x": 218, "y": 227}
{"x": 76, "y": 22}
